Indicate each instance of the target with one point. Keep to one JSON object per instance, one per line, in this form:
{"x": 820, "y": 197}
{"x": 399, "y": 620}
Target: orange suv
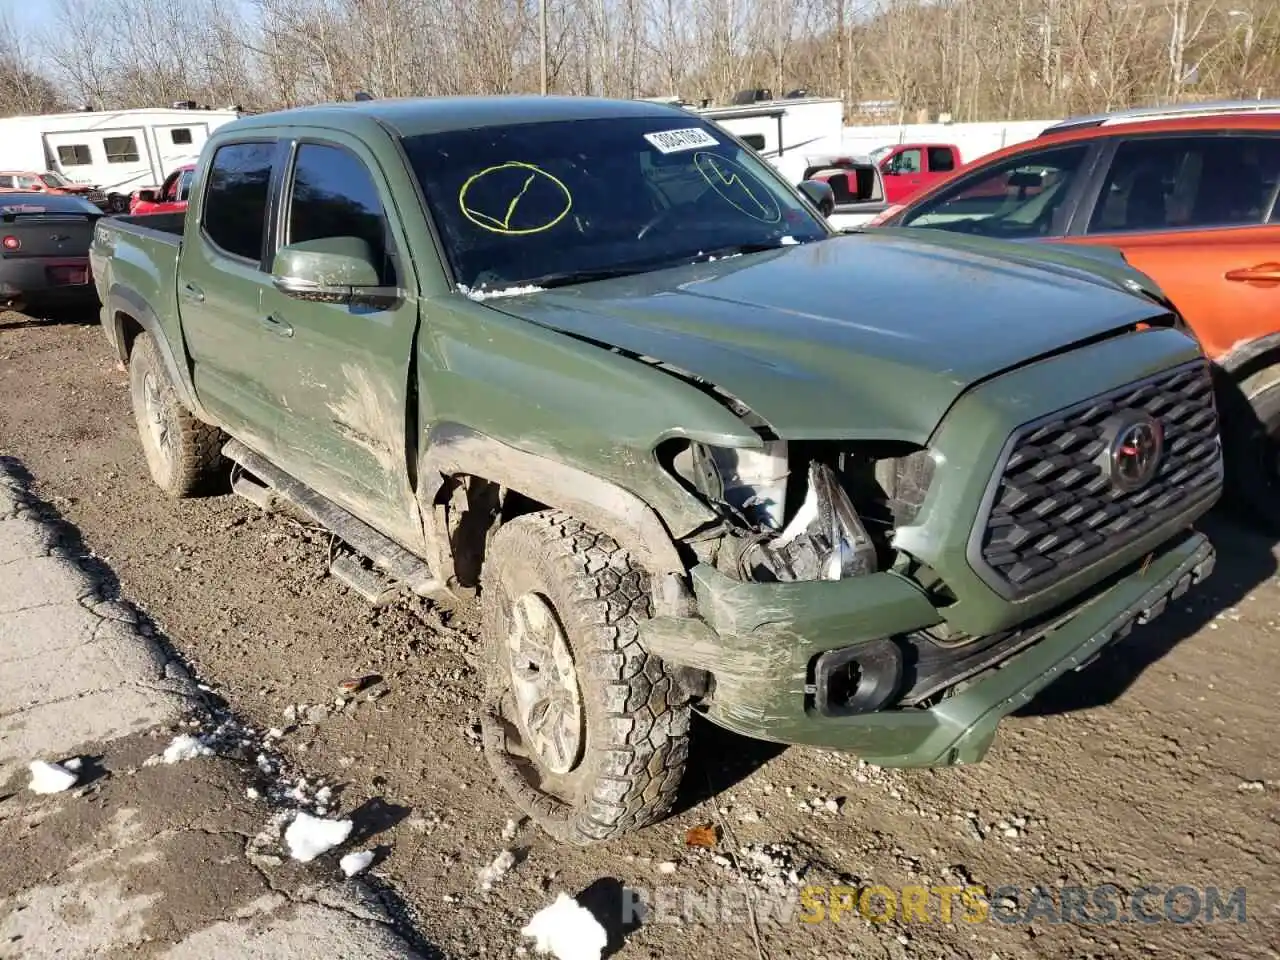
{"x": 1188, "y": 194}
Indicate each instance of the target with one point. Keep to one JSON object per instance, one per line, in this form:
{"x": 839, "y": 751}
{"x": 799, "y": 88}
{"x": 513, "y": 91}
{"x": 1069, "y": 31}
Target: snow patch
{"x": 354, "y": 863}
{"x": 494, "y": 294}
{"x": 308, "y": 837}
{"x": 567, "y": 930}
{"x": 185, "y": 747}
{"x": 495, "y": 871}
{"x": 51, "y": 777}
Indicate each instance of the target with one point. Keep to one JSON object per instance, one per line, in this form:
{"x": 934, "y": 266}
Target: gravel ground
{"x": 1151, "y": 767}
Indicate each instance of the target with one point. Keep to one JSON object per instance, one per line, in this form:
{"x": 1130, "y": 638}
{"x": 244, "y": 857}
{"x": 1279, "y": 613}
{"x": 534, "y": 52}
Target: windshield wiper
{"x": 738, "y": 248}
{"x": 569, "y": 277}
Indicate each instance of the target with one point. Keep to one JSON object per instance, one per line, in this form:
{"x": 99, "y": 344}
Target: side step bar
{"x": 393, "y": 565}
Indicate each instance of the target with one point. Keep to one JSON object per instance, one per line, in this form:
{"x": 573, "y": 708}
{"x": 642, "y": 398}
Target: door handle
{"x": 1265, "y": 272}
{"x": 277, "y": 326}
{"x": 191, "y": 292}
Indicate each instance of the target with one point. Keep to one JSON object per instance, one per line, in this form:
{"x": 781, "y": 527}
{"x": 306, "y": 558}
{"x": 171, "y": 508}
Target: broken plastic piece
{"x": 825, "y": 540}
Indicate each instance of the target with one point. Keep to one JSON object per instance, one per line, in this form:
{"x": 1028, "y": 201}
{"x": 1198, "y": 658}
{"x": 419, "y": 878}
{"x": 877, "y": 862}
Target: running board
{"x": 375, "y": 587}
{"x": 393, "y": 564}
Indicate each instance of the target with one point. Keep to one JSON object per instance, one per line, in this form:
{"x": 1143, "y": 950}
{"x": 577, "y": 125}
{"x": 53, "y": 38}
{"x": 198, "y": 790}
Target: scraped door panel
{"x": 341, "y": 372}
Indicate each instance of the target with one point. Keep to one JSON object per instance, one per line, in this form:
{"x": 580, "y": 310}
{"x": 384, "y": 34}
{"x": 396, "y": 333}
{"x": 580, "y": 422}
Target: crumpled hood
{"x": 869, "y": 336}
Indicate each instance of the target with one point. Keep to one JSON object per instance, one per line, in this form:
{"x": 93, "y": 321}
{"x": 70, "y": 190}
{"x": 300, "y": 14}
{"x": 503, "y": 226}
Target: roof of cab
{"x": 413, "y": 116}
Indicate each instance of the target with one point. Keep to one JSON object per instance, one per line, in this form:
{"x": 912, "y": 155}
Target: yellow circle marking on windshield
{"x": 727, "y": 179}
{"x": 519, "y": 187}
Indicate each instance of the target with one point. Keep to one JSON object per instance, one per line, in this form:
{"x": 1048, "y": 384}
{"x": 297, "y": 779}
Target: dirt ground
{"x": 1154, "y": 766}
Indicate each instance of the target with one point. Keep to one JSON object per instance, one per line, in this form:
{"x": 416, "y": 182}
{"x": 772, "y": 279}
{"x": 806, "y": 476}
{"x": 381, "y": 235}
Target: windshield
{"x": 566, "y": 200}
{"x": 52, "y": 179}
{"x": 878, "y": 152}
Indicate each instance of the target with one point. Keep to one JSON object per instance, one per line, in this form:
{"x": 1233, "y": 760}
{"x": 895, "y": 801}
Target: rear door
{"x": 940, "y": 162}
{"x": 341, "y": 373}
{"x": 221, "y": 279}
{"x": 1197, "y": 213}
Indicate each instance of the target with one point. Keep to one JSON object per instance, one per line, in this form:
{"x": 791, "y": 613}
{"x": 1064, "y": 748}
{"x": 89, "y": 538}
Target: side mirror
{"x": 820, "y": 195}
{"x": 146, "y": 196}
{"x": 332, "y": 270}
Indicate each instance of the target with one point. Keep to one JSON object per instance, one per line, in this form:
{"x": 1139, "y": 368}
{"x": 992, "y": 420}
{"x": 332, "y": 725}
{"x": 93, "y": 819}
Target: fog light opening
{"x": 859, "y": 679}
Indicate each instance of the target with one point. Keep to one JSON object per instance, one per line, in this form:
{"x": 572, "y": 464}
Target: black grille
{"x": 1055, "y": 510}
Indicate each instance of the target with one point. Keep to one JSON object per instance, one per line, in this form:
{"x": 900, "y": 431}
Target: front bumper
{"x": 759, "y": 641}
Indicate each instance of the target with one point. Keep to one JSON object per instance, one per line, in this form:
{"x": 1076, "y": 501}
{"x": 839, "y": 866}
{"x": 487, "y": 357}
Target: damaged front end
{"x": 794, "y": 512}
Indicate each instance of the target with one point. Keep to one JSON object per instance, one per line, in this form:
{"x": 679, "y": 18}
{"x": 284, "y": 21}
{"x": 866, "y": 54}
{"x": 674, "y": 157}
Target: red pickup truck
{"x": 170, "y": 198}
{"x": 909, "y": 168}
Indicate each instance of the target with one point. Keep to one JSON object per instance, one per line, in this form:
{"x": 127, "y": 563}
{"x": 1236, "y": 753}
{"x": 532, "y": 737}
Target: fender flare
{"x": 122, "y": 302}
{"x": 454, "y": 450}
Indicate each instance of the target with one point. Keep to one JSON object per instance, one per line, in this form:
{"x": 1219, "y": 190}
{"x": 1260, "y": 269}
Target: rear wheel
{"x": 1252, "y": 439}
{"x": 183, "y": 454}
{"x": 585, "y": 730}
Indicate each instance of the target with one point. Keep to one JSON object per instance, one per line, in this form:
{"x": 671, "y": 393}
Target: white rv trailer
{"x": 790, "y": 133}
{"x": 119, "y": 151}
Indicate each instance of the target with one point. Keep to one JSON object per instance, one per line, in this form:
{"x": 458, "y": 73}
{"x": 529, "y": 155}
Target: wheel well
{"x": 129, "y": 329}
{"x": 471, "y": 508}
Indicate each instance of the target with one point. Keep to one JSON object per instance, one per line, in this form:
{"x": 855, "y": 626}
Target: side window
{"x": 120, "y": 149}
{"x": 184, "y": 183}
{"x": 753, "y": 140}
{"x": 941, "y": 160}
{"x": 333, "y": 195}
{"x": 1167, "y": 183}
{"x": 181, "y": 135}
{"x": 6, "y": 182}
{"x": 74, "y": 155}
{"x": 908, "y": 161}
{"x": 28, "y": 183}
{"x": 1019, "y": 197}
{"x": 235, "y": 203}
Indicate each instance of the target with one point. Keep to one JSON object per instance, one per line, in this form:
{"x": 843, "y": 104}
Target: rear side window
{"x": 235, "y": 203}
{"x": 334, "y": 195}
{"x": 74, "y": 155}
{"x": 1016, "y": 198}
{"x": 120, "y": 149}
{"x": 1170, "y": 183}
{"x": 941, "y": 160}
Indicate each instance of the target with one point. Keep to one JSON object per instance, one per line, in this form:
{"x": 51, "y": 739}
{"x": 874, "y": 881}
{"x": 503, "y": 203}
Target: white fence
{"x": 973, "y": 139}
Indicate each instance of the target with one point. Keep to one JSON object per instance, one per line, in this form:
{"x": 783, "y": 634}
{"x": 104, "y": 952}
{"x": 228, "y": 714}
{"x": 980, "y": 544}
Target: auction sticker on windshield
{"x": 673, "y": 141}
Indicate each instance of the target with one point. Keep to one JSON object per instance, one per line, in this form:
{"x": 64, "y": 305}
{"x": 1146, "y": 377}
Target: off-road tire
{"x": 1250, "y": 415}
{"x": 635, "y": 716}
{"x": 193, "y": 463}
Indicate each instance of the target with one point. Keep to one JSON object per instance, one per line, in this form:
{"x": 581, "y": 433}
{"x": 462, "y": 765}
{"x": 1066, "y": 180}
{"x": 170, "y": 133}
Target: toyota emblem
{"x": 1133, "y": 456}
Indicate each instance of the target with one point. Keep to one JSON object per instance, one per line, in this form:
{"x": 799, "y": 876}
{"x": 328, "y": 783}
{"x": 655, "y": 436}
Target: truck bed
{"x": 139, "y": 254}
{"x": 171, "y": 223}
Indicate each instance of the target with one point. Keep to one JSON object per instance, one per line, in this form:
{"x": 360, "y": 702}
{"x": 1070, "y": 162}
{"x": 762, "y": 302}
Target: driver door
{"x": 341, "y": 373}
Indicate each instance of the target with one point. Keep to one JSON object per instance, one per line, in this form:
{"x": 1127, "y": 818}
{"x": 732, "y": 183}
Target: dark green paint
{"x": 931, "y": 339}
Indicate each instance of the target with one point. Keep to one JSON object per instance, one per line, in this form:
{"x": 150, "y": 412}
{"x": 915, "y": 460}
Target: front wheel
{"x": 585, "y": 730}
{"x": 1251, "y": 436}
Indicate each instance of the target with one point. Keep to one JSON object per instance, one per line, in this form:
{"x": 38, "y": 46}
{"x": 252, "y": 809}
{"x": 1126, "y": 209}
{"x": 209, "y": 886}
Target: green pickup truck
{"x": 695, "y": 451}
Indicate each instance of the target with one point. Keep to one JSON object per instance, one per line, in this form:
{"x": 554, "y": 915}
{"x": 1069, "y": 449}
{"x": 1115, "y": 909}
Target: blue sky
{"x": 26, "y": 14}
